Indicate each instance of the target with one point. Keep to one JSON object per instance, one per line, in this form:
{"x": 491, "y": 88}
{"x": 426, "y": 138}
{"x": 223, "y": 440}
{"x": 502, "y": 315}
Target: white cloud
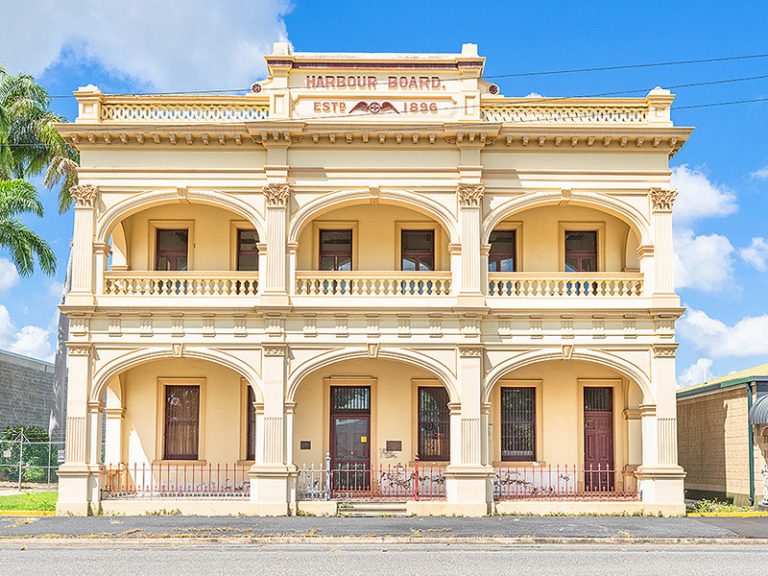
{"x": 29, "y": 340}
{"x": 173, "y": 45}
{"x": 756, "y": 254}
{"x": 697, "y": 373}
{"x": 747, "y": 337}
{"x": 761, "y": 173}
{"x": 699, "y": 197}
{"x": 55, "y": 290}
{"x": 703, "y": 262}
{"x": 534, "y": 95}
{"x": 9, "y": 277}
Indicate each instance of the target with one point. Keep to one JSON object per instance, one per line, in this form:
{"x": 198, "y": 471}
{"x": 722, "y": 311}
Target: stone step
{"x": 372, "y": 508}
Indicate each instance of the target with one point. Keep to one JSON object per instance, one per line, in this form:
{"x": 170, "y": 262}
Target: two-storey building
{"x": 372, "y": 277}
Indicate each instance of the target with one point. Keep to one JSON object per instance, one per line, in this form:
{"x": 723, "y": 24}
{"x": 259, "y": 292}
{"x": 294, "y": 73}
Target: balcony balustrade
{"x": 327, "y": 283}
{"x": 565, "y": 285}
{"x": 181, "y": 283}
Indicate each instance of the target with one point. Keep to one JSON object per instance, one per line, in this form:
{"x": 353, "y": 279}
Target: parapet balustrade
{"x": 181, "y": 283}
{"x": 536, "y": 111}
{"x": 565, "y": 285}
{"x": 332, "y": 283}
{"x": 192, "y": 109}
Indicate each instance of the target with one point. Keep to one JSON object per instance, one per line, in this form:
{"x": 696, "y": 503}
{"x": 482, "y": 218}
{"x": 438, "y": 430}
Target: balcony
{"x": 174, "y": 284}
{"x": 565, "y": 285}
{"x": 350, "y": 284}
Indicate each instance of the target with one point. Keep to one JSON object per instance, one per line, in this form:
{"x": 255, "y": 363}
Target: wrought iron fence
{"x": 24, "y": 462}
{"x": 361, "y": 482}
{"x": 564, "y": 483}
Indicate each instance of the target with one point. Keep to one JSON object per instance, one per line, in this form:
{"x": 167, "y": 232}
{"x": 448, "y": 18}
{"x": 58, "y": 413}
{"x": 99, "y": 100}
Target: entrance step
{"x": 372, "y": 508}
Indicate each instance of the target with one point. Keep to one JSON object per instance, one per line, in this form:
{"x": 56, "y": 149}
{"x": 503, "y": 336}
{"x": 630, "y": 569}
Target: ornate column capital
{"x": 663, "y": 199}
{"x": 84, "y": 195}
{"x": 277, "y": 194}
{"x": 664, "y": 350}
{"x": 470, "y": 195}
{"x": 470, "y": 351}
{"x": 274, "y": 349}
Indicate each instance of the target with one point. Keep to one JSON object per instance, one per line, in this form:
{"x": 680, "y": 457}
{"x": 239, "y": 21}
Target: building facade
{"x": 372, "y": 277}
{"x": 723, "y": 437}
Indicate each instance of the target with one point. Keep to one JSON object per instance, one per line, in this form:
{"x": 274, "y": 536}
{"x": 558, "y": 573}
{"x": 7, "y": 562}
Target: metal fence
{"x": 563, "y": 483}
{"x": 24, "y": 462}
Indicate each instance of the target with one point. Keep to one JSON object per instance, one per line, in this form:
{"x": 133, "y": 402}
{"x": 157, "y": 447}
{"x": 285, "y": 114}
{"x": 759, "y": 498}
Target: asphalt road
{"x": 84, "y": 559}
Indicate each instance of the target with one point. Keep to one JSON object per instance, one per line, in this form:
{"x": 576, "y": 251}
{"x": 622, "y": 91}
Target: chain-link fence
{"x": 24, "y": 462}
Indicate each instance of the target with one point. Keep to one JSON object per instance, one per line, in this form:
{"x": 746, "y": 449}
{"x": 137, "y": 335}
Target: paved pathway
{"x": 539, "y": 527}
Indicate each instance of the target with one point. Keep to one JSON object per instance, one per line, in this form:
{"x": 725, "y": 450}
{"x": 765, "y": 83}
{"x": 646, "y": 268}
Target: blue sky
{"x": 722, "y": 173}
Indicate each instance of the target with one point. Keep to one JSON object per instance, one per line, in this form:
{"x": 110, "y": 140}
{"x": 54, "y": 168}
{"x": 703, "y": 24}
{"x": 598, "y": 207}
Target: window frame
{"x": 248, "y": 408}
{"x": 162, "y": 384}
{"x": 320, "y": 225}
{"x": 503, "y": 423}
{"x": 154, "y": 226}
{"x": 507, "y": 227}
{"x": 236, "y": 226}
{"x": 421, "y": 386}
{"x": 400, "y": 226}
{"x": 538, "y": 421}
{"x": 597, "y": 227}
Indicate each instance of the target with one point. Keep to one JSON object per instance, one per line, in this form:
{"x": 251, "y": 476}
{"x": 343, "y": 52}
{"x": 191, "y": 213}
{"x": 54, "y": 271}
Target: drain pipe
{"x": 750, "y": 447}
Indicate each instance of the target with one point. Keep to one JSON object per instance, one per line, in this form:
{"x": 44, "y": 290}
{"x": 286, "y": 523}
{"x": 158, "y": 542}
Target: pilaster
{"x": 470, "y": 200}
{"x": 662, "y": 200}
{"x": 83, "y": 253}
{"x": 277, "y": 198}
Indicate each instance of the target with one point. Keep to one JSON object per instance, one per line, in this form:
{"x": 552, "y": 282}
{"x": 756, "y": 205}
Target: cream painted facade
{"x": 374, "y": 144}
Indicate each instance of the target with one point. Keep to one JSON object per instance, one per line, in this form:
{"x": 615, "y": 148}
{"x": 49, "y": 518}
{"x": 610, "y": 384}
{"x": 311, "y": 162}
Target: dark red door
{"x": 598, "y": 439}
{"x": 350, "y": 440}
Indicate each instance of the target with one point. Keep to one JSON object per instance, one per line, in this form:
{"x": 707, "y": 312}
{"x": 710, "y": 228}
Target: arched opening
{"x": 373, "y": 250}
{"x": 183, "y": 249}
{"x": 565, "y": 428}
{"x": 566, "y": 251}
{"x": 178, "y": 427}
{"x": 375, "y": 426}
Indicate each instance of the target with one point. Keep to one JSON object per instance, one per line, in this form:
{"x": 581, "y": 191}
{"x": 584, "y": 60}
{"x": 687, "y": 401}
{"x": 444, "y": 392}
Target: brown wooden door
{"x": 350, "y": 440}
{"x": 598, "y": 439}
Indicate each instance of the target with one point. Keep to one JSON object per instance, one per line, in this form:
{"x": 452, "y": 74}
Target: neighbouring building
{"x": 26, "y": 391}
{"x": 372, "y": 277}
{"x": 723, "y": 437}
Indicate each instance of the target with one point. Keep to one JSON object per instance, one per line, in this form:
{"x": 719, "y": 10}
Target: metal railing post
{"x": 328, "y": 475}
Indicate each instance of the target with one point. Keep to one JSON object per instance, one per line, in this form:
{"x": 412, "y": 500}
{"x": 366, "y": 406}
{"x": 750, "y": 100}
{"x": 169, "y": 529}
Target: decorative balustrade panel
{"x": 224, "y": 284}
{"x": 556, "y": 482}
{"x": 182, "y": 111}
{"x": 565, "y": 286}
{"x": 371, "y": 284}
{"x": 564, "y": 113}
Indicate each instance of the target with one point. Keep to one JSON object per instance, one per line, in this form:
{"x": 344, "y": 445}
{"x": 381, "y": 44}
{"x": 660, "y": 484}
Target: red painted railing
{"x": 167, "y": 480}
{"x": 520, "y": 482}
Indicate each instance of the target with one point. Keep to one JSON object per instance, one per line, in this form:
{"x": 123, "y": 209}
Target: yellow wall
{"x": 377, "y": 239}
{"x": 212, "y": 236}
{"x": 222, "y": 410}
{"x": 393, "y": 410}
{"x": 560, "y": 431}
{"x": 541, "y": 238}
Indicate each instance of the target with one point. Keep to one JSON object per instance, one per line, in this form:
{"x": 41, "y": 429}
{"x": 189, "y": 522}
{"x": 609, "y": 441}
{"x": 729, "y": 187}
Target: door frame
{"x": 359, "y": 415}
{"x": 339, "y": 381}
{"x": 619, "y": 430}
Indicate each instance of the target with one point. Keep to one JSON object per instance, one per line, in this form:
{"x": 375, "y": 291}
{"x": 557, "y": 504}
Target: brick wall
{"x": 712, "y": 443}
{"x": 26, "y": 391}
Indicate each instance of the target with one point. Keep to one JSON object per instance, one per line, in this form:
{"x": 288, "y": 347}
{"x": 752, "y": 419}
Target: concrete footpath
{"x": 507, "y": 528}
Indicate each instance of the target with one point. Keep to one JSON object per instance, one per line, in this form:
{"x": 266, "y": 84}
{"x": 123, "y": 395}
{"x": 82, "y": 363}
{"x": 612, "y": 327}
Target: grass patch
{"x": 706, "y": 506}
{"x": 32, "y": 501}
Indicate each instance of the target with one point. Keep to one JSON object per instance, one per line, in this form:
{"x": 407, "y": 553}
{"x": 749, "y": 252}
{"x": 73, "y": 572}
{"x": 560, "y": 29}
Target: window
{"x": 171, "y": 249}
{"x": 417, "y": 250}
{"x": 247, "y": 250}
{"x": 518, "y": 424}
{"x": 250, "y": 447}
{"x": 581, "y": 251}
{"x": 503, "y": 254}
{"x": 434, "y": 424}
{"x": 182, "y": 422}
{"x": 335, "y": 250}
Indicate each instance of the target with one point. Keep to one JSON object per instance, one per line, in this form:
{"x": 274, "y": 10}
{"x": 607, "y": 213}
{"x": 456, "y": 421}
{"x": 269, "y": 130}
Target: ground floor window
{"x": 182, "y": 422}
{"x": 518, "y": 424}
{"x": 434, "y": 424}
{"x": 250, "y": 450}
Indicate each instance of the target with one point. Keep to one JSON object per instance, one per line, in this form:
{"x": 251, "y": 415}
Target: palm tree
{"x": 20, "y": 197}
{"x": 29, "y": 146}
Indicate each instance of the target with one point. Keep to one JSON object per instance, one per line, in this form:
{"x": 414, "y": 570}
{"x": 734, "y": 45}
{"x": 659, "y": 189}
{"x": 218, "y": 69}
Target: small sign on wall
{"x": 394, "y": 445}
{"x": 305, "y": 445}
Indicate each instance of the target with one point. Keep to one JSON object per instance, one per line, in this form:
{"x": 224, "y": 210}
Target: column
{"x": 467, "y": 477}
{"x": 660, "y": 477}
{"x": 470, "y": 198}
{"x": 83, "y": 269}
{"x": 662, "y": 201}
{"x": 113, "y": 436}
{"x": 277, "y": 196}
{"x": 79, "y": 475}
{"x": 270, "y": 473}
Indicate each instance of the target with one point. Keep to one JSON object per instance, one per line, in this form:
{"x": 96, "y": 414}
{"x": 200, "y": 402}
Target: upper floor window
{"x": 518, "y": 424}
{"x": 171, "y": 249}
{"x": 247, "y": 250}
{"x": 503, "y": 254}
{"x": 335, "y": 250}
{"x": 434, "y": 424}
{"x": 182, "y": 422}
{"x": 581, "y": 251}
{"x": 417, "y": 250}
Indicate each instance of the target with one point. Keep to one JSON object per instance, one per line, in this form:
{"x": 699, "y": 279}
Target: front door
{"x": 350, "y": 440}
{"x": 598, "y": 439}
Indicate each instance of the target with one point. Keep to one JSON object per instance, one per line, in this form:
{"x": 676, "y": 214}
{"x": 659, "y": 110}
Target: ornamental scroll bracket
{"x": 470, "y": 195}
